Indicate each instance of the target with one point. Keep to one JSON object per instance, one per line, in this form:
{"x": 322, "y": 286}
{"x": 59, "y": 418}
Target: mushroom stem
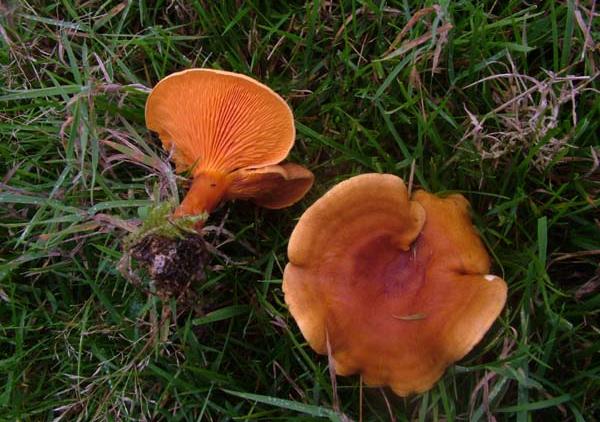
{"x": 207, "y": 190}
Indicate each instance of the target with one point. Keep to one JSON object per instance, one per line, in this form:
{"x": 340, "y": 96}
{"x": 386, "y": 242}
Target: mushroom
{"x": 230, "y": 132}
{"x": 396, "y": 289}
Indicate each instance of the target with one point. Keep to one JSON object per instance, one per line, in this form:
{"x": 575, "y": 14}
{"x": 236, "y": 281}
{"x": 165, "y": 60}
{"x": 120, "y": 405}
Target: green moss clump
{"x": 158, "y": 222}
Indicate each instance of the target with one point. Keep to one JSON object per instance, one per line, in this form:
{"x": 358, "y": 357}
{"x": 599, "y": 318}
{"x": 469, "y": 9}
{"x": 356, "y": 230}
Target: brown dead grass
{"x": 527, "y": 115}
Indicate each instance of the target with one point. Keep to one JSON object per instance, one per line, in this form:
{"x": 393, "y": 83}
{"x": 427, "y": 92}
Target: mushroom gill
{"x": 399, "y": 286}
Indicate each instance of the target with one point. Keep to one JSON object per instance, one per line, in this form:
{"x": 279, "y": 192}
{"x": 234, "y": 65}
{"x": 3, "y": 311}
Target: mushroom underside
{"x": 229, "y": 132}
{"x": 219, "y": 121}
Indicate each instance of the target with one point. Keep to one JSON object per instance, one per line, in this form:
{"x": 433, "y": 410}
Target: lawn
{"x": 497, "y": 100}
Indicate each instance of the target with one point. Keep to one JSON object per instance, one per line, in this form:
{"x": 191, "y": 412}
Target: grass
{"x": 496, "y": 100}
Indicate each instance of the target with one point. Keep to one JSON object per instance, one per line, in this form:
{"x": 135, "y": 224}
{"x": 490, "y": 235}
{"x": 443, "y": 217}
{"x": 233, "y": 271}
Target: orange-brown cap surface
{"x": 399, "y": 287}
{"x": 217, "y": 123}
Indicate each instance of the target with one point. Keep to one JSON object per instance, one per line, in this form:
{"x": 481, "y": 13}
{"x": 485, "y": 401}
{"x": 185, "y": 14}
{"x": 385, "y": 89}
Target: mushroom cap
{"x": 219, "y": 121}
{"x": 399, "y": 287}
{"x": 273, "y": 187}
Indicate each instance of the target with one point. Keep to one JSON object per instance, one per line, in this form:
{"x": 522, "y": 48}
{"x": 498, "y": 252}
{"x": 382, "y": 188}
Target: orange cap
{"x": 399, "y": 287}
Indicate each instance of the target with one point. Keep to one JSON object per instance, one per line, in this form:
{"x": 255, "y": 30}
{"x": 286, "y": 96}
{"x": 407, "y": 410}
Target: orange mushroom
{"x": 230, "y": 132}
{"x": 399, "y": 288}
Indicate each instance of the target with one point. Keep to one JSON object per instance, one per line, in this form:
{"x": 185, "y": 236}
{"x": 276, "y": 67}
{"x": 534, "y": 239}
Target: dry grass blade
{"x": 332, "y": 375}
{"x": 589, "y": 46}
{"x": 588, "y": 288}
{"x": 442, "y": 31}
{"x": 419, "y": 14}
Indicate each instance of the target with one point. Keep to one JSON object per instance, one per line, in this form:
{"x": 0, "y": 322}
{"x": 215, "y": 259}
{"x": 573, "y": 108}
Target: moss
{"x": 158, "y": 222}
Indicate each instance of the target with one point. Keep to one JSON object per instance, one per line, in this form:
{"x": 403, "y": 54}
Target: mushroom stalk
{"x": 207, "y": 190}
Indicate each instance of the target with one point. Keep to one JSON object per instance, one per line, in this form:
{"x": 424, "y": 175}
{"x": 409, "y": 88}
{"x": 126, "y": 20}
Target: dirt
{"x": 174, "y": 265}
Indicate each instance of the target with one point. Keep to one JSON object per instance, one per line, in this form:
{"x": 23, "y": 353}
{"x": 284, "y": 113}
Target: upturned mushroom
{"x": 396, "y": 288}
{"x": 231, "y": 133}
